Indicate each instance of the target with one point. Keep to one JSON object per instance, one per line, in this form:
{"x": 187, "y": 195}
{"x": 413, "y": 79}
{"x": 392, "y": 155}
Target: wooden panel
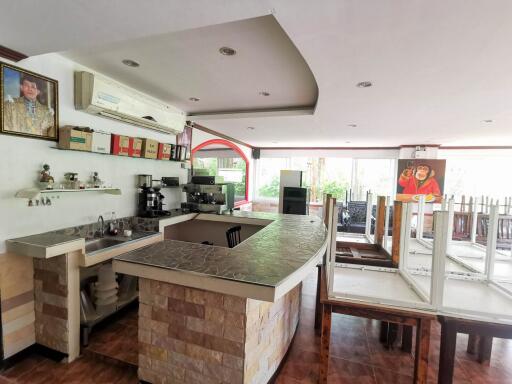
{"x": 11, "y": 54}
{"x": 422, "y": 349}
{"x": 381, "y": 220}
{"x": 397, "y": 225}
{"x": 325, "y": 343}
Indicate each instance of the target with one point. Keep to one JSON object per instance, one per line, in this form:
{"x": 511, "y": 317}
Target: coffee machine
{"x": 151, "y": 200}
{"x": 208, "y": 195}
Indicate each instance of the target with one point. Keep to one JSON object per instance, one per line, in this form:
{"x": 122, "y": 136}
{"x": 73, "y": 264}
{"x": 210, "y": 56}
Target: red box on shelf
{"x": 164, "y": 151}
{"x": 120, "y": 145}
{"x": 135, "y": 147}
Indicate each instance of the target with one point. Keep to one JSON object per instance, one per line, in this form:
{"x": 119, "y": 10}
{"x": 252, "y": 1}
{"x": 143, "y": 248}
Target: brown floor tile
{"x": 346, "y": 372}
{"x": 357, "y": 357}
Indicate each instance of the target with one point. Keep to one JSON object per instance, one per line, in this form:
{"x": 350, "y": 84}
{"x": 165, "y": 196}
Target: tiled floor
{"x": 356, "y": 356}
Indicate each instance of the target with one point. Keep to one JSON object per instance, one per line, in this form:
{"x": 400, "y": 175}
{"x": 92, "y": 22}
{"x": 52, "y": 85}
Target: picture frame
{"x": 416, "y": 177}
{"x": 29, "y": 104}
{"x": 185, "y": 139}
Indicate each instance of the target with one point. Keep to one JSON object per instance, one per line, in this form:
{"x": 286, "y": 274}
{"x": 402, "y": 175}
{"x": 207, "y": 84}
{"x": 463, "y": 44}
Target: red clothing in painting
{"x": 412, "y": 186}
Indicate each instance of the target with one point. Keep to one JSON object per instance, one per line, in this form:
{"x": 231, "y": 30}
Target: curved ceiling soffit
{"x": 269, "y": 112}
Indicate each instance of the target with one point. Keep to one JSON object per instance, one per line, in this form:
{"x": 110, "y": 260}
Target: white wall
{"x": 22, "y": 158}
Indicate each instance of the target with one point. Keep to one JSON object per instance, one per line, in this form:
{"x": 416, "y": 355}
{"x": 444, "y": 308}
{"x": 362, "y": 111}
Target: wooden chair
{"x": 233, "y": 236}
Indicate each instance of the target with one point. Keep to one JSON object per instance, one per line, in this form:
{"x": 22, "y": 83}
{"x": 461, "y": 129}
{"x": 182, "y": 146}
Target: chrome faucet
{"x": 101, "y": 231}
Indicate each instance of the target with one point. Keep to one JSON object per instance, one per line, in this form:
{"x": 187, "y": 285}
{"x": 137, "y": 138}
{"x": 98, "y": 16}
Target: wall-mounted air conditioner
{"x": 99, "y": 95}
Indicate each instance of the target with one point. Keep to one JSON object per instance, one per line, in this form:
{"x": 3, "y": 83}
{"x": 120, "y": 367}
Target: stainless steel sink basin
{"x": 94, "y": 245}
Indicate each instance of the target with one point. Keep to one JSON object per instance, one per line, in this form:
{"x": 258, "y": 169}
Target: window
{"x": 334, "y": 175}
{"x": 223, "y": 158}
{"x": 477, "y": 173}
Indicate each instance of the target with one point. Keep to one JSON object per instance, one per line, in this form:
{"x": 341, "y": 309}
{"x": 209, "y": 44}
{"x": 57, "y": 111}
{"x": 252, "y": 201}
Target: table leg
{"x": 384, "y": 329}
{"x": 407, "y": 338}
{"x": 325, "y": 342}
{"x": 318, "y": 305}
{"x": 473, "y": 341}
{"x": 447, "y": 352}
{"x": 484, "y": 350}
{"x": 422, "y": 349}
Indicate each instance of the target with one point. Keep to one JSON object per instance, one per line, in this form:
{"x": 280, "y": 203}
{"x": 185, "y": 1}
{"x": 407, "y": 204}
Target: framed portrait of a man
{"x": 29, "y": 103}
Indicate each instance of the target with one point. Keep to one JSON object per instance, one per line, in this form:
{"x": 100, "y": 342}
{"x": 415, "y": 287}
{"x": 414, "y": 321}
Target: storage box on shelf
{"x": 120, "y": 145}
{"x": 135, "y": 147}
{"x": 149, "y": 148}
{"x": 101, "y": 142}
{"x": 76, "y": 138}
{"x": 164, "y": 151}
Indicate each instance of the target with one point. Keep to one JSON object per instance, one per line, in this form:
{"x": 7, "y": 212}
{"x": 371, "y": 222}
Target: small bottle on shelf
{"x": 113, "y": 226}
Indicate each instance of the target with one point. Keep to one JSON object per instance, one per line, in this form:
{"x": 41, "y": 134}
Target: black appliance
{"x": 295, "y": 200}
{"x": 151, "y": 200}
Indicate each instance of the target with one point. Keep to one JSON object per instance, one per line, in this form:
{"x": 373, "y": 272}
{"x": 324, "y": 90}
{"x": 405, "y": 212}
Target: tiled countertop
{"x": 267, "y": 258}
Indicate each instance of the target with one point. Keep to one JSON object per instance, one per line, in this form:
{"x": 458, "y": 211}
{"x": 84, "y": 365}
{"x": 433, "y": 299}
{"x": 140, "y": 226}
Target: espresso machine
{"x": 151, "y": 200}
{"x": 208, "y": 195}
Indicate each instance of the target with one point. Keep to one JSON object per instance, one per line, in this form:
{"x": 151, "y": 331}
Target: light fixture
{"x": 364, "y": 84}
{"x": 487, "y": 121}
{"x": 227, "y": 51}
{"x": 251, "y": 128}
{"x": 264, "y": 93}
{"x": 352, "y": 125}
{"x": 130, "y": 63}
{"x": 194, "y": 99}
{"x": 347, "y": 142}
{"x": 274, "y": 142}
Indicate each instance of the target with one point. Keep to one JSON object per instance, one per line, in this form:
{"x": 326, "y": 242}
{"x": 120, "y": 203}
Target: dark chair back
{"x": 233, "y": 236}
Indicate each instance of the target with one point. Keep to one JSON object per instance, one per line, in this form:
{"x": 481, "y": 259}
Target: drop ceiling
{"x": 181, "y": 66}
{"x": 438, "y": 68}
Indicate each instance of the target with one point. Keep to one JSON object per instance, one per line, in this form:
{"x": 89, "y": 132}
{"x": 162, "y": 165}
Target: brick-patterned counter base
{"x": 193, "y": 336}
{"x": 51, "y": 302}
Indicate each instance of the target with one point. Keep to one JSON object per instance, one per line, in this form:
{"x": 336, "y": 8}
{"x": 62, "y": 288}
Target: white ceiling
{"x": 438, "y": 67}
{"x": 180, "y": 65}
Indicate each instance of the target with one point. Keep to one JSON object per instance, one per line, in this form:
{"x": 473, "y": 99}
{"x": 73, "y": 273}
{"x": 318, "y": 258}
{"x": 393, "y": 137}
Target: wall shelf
{"x": 33, "y": 193}
{"x": 184, "y": 164}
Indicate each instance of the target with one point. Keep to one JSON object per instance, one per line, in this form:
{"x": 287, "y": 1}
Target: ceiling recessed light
{"x": 251, "y": 128}
{"x": 364, "y": 84}
{"x": 264, "y": 93}
{"x": 487, "y": 121}
{"x": 347, "y": 142}
{"x": 352, "y": 125}
{"x": 194, "y": 99}
{"x": 130, "y": 63}
{"x": 274, "y": 142}
{"x": 227, "y": 51}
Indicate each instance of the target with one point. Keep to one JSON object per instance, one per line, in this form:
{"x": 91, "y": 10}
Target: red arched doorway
{"x": 239, "y": 152}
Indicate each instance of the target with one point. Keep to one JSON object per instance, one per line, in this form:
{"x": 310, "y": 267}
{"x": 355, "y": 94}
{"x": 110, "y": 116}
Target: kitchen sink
{"x": 94, "y": 245}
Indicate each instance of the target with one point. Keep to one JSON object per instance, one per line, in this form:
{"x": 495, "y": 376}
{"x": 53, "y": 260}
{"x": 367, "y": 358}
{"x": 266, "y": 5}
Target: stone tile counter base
{"x": 189, "y": 335}
{"x": 51, "y": 302}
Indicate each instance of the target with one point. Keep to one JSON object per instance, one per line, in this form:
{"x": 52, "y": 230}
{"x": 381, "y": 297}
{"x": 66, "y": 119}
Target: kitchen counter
{"x": 263, "y": 267}
{"x": 45, "y": 245}
{"x": 233, "y": 312}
